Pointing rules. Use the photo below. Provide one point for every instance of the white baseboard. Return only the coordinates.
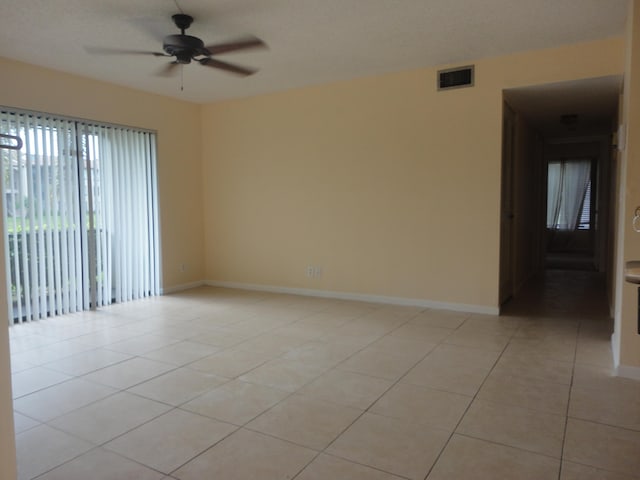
(180, 288)
(628, 371)
(361, 297)
(615, 347)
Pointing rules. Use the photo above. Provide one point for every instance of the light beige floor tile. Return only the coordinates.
(143, 335)
(594, 352)
(271, 344)
(18, 365)
(535, 366)
(307, 329)
(347, 388)
(129, 373)
(390, 315)
(284, 374)
(107, 336)
(601, 446)
(181, 353)
(573, 471)
(106, 419)
(251, 327)
(179, 330)
(305, 421)
(499, 325)
(620, 408)
(370, 328)
(396, 446)
(248, 455)
(23, 343)
(423, 405)
(142, 344)
(264, 323)
(453, 368)
(43, 448)
(22, 423)
(230, 363)
(323, 354)
(474, 339)
(522, 428)
(524, 392)
(540, 327)
(326, 467)
(562, 349)
(236, 402)
(34, 379)
(53, 352)
(220, 338)
(604, 378)
(377, 363)
(345, 308)
(403, 346)
(178, 386)
(216, 320)
(62, 398)
(425, 333)
(327, 318)
(99, 464)
(480, 460)
(170, 440)
(440, 318)
(86, 362)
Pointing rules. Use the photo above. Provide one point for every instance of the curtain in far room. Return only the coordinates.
(567, 187)
(80, 215)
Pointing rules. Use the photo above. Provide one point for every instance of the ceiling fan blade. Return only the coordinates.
(120, 51)
(168, 70)
(245, 43)
(229, 67)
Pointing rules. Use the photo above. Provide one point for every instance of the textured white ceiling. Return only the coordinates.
(311, 41)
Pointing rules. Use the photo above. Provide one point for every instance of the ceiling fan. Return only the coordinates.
(186, 48)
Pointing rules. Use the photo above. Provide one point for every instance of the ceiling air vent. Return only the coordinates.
(459, 77)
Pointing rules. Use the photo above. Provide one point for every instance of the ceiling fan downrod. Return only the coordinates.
(182, 21)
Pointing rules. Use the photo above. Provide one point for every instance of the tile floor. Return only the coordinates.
(216, 383)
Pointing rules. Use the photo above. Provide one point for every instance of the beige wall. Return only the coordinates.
(391, 187)
(627, 338)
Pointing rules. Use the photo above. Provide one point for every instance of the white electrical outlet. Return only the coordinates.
(183, 267)
(313, 271)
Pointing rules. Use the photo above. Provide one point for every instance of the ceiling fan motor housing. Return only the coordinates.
(183, 47)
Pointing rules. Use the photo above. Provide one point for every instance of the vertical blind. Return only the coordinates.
(80, 215)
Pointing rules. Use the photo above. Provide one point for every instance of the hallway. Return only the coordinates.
(565, 295)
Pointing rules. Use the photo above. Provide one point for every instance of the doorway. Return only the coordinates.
(561, 179)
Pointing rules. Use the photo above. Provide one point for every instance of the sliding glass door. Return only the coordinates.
(80, 215)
